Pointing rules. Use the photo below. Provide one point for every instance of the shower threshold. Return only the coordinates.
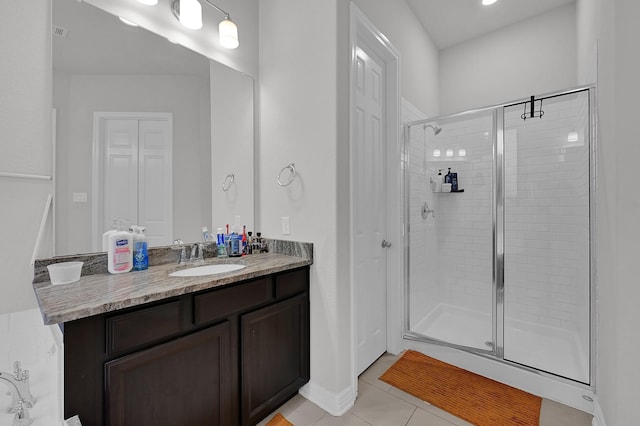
(525, 343)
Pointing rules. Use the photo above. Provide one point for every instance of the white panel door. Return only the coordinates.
(155, 197)
(370, 220)
(136, 174)
(120, 183)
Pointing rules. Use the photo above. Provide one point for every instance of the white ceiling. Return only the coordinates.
(450, 22)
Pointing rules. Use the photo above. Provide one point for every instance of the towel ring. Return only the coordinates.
(292, 175)
(228, 181)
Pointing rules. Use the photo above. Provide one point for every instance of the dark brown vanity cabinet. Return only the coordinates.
(227, 356)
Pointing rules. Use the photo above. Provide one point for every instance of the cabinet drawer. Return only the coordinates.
(137, 328)
(291, 283)
(220, 303)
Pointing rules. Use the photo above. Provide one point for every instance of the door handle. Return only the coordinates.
(386, 244)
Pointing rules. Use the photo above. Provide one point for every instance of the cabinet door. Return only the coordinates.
(275, 356)
(185, 382)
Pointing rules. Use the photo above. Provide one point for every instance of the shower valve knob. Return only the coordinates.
(386, 244)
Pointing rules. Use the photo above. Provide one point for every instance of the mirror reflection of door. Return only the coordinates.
(133, 162)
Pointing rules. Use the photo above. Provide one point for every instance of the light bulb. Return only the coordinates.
(228, 34)
(436, 153)
(191, 14)
(462, 152)
(449, 153)
(148, 2)
(488, 2)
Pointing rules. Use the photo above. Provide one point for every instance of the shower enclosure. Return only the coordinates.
(502, 266)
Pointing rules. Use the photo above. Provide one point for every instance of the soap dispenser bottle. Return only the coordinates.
(140, 253)
(119, 252)
(115, 227)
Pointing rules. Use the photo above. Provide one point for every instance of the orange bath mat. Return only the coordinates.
(279, 420)
(476, 399)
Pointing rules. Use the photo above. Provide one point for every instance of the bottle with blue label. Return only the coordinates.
(140, 253)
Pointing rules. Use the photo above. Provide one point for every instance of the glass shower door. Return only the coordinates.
(547, 236)
(450, 297)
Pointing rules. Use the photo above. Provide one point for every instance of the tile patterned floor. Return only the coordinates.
(380, 404)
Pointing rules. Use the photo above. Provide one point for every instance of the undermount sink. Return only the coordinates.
(207, 270)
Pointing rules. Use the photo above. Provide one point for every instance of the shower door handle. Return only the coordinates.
(386, 244)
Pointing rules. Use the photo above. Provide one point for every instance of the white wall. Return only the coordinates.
(25, 146)
(304, 102)
(616, 32)
(532, 57)
(419, 56)
(298, 92)
(232, 147)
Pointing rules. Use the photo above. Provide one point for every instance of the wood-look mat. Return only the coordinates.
(476, 399)
(279, 420)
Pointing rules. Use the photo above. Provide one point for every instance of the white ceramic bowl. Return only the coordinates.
(65, 272)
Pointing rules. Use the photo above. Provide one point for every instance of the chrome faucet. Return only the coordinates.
(22, 417)
(179, 245)
(22, 398)
(197, 250)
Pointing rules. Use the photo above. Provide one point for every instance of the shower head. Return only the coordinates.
(436, 129)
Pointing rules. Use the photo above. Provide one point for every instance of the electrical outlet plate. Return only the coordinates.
(79, 197)
(286, 229)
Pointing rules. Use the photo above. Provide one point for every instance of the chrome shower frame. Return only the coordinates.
(498, 220)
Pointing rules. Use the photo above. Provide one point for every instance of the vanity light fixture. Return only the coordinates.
(436, 153)
(462, 152)
(449, 152)
(189, 12)
(488, 2)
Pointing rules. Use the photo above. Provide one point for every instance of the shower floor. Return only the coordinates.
(549, 349)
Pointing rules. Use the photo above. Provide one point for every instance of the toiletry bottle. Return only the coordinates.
(235, 245)
(205, 234)
(243, 248)
(249, 243)
(140, 252)
(447, 177)
(119, 252)
(439, 181)
(220, 244)
(454, 182)
(115, 227)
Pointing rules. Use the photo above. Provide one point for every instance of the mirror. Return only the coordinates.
(119, 93)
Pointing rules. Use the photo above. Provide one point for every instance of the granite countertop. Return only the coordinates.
(100, 293)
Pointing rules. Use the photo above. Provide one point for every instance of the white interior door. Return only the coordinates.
(120, 183)
(370, 203)
(155, 177)
(134, 178)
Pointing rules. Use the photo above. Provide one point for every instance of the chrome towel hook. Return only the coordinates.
(228, 181)
(292, 174)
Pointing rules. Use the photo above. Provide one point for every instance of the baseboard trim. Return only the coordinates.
(333, 403)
